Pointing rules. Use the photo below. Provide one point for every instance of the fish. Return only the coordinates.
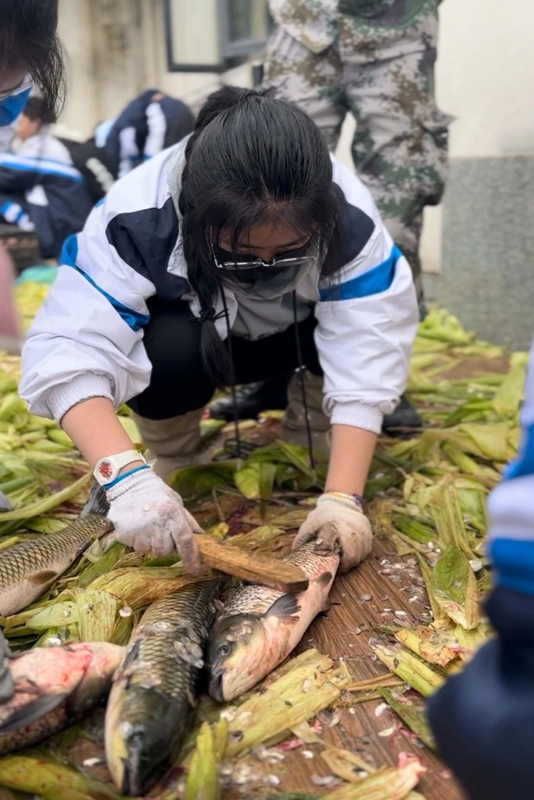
(154, 692)
(28, 569)
(259, 627)
(53, 687)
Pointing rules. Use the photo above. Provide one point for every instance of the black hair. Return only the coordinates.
(36, 109)
(251, 160)
(28, 38)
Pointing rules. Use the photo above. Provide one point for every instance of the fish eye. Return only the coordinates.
(224, 650)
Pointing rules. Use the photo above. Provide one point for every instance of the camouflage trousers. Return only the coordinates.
(382, 71)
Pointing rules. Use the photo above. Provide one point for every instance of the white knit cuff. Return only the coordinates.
(63, 397)
(358, 415)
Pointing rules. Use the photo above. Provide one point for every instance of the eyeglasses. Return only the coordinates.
(278, 262)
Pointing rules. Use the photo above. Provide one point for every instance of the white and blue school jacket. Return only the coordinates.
(143, 128)
(87, 340)
(483, 719)
(41, 190)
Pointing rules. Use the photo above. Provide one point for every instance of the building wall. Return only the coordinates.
(485, 67)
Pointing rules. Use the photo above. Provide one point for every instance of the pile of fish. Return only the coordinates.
(157, 677)
(93, 615)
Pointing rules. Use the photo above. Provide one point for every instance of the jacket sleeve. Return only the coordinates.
(483, 719)
(18, 173)
(87, 339)
(367, 314)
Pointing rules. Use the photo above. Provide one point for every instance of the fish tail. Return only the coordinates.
(97, 502)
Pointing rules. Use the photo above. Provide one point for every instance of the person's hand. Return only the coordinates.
(338, 523)
(150, 517)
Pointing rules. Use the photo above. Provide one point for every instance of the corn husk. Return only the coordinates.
(50, 781)
(283, 704)
(411, 669)
(389, 784)
(411, 712)
(203, 775)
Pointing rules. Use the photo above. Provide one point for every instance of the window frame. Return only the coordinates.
(229, 50)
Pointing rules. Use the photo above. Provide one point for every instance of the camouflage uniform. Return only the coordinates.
(376, 59)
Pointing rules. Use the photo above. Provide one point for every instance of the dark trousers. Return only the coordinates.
(179, 383)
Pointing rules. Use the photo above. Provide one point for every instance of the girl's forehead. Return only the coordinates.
(267, 235)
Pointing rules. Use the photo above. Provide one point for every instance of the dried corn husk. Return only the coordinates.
(283, 704)
(411, 669)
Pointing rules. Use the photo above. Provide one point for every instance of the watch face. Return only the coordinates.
(105, 469)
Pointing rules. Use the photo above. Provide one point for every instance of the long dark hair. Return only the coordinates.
(251, 160)
(28, 37)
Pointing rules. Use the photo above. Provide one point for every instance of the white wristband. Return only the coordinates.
(108, 468)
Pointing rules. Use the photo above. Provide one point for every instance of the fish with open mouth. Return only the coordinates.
(259, 627)
(150, 705)
(53, 686)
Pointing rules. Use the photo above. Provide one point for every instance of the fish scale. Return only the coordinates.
(154, 692)
(184, 616)
(28, 569)
(256, 599)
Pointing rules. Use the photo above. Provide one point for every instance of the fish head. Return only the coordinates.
(142, 737)
(237, 650)
(104, 659)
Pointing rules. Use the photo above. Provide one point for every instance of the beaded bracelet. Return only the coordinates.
(356, 497)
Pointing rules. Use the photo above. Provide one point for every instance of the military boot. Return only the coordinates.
(294, 424)
(173, 443)
(252, 398)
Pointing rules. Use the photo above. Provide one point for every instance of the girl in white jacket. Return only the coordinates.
(241, 254)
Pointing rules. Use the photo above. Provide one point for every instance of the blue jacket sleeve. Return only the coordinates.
(483, 719)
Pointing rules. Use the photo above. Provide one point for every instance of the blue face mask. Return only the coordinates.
(12, 105)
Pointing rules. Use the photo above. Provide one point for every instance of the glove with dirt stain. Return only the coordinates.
(338, 521)
(150, 517)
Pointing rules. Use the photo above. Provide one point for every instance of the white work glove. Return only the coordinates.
(338, 523)
(150, 517)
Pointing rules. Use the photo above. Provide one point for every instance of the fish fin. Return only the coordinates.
(43, 577)
(286, 606)
(97, 502)
(324, 579)
(5, 505)
(32, 711)
(124, 670)
(327, 606)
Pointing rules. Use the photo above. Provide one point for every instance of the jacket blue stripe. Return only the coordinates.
(513, 560)
(374, 281)
(524, 463)
(132, 318)
(19, 167)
